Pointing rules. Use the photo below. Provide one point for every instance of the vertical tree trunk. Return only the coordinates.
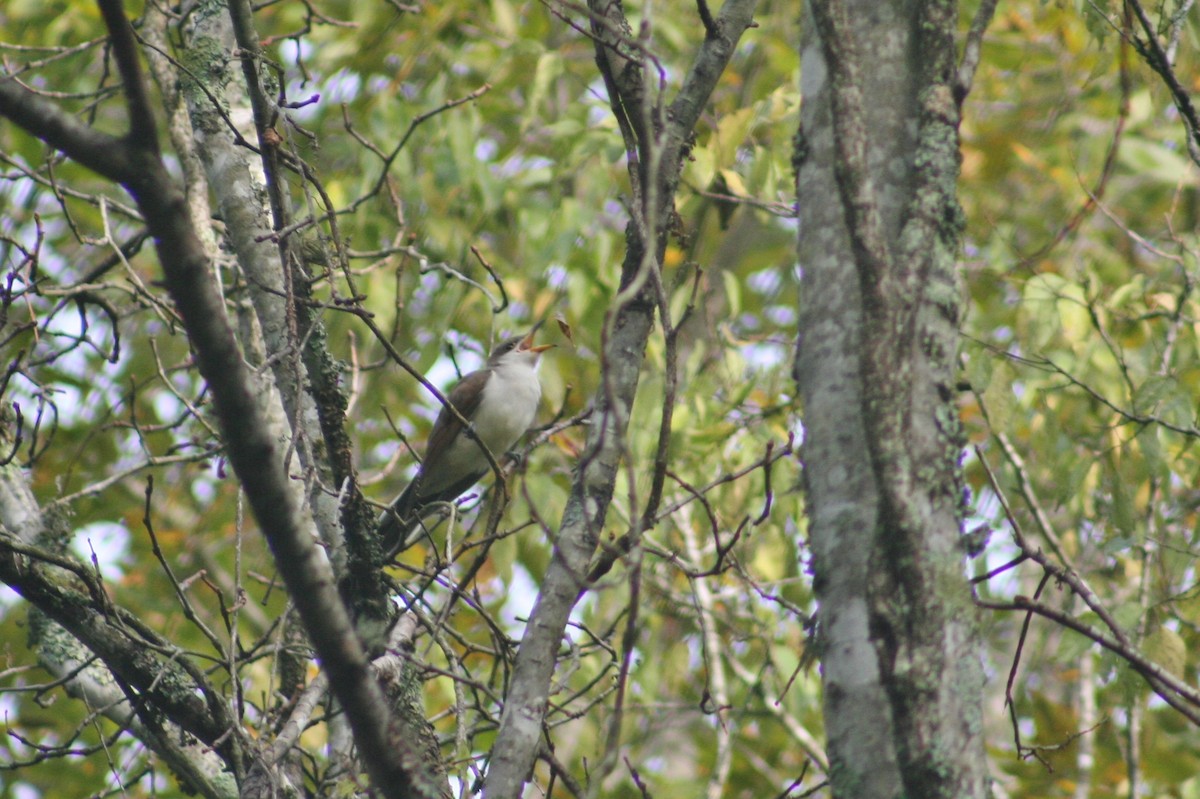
(879, 226)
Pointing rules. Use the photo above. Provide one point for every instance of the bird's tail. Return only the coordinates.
(402, 523)
(397, 523)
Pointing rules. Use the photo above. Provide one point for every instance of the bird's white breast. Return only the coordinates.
(509, 405)
(506, 411)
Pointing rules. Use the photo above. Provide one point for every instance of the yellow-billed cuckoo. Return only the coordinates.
(500, 402)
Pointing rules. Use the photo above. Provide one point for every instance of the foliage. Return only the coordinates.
(1081, 356)
(1081, 265)
(530, 171)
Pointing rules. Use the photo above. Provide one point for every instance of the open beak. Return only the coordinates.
(527, 344)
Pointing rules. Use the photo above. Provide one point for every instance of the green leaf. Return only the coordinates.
(1150, 394)
(979, 370)
(1166, 648)
(1150, 159)
(998, 399)
(1072, 647)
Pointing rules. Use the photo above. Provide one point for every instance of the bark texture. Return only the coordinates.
(877, 161)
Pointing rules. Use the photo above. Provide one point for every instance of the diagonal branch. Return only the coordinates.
(626, 334)
(254, 454)
(142, 129)
(1156, 57)
(100, 152)
(162, 683)
(973, 48)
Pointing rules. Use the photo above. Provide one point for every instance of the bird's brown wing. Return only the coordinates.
(397, 523)
(465, 396)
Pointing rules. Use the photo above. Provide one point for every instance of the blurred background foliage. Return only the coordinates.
(1080, 262)
(1080, 350)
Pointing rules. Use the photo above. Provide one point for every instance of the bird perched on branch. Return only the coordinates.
(499, 402)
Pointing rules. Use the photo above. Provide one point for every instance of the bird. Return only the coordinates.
(500, 402)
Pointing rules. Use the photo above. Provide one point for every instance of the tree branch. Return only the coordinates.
(1157, 59)
(162, 682)
(99, 152)
(973, 49)
(252, 450)
(142, 128)
(84, 672)
(518, 740)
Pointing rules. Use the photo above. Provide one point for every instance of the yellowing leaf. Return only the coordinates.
(1162, 300)
(504, 17)
(1026, 156)
(1166, 648)
(998, 399)
(734, 183)
(770, 560)
(732, 130)
(673, 257)
(701, 166)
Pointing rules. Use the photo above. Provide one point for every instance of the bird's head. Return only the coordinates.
(517, 349)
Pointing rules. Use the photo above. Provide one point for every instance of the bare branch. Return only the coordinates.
(103, 154)
(626, 331)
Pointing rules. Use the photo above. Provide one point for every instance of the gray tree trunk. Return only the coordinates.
(879, 227)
